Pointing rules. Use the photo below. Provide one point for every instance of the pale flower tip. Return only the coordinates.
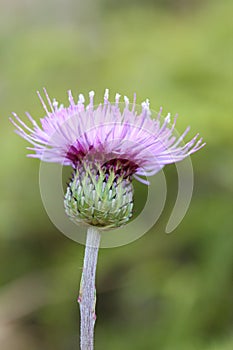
(199, 142)
(146, 104)
(126, 99)
(134, 102)
(117, 97)
(81, 99)
(70, 97)
(168, 117)
(196, 136)
(91, 99)
(39, 95)
(11, 120)
(46, 94)
(91, 94)
(55, 103)
(106, 95)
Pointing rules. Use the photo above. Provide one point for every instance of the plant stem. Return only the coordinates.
(87, 296)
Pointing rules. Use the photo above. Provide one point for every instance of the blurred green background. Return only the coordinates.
(167, 292)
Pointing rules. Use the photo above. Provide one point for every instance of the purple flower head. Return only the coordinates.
(131, 143)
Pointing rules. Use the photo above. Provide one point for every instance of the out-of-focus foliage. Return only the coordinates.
(161, 292)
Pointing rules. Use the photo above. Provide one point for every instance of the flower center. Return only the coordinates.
(121, 167)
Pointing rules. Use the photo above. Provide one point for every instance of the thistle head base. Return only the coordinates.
(99, 196)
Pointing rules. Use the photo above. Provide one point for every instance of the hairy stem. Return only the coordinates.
(87, 296)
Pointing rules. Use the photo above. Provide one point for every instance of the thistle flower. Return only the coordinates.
(104, 142)
(107, 146)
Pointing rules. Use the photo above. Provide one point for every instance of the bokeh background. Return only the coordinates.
(167, 292)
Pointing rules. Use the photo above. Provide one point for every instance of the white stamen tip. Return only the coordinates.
(126, 100)
(106, 94)
(117, 98)
(146, 105)
(55, 103)
(91, 94)
(168, 117)
(81, 98)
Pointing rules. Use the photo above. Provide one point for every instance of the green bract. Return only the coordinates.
(99, 197)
